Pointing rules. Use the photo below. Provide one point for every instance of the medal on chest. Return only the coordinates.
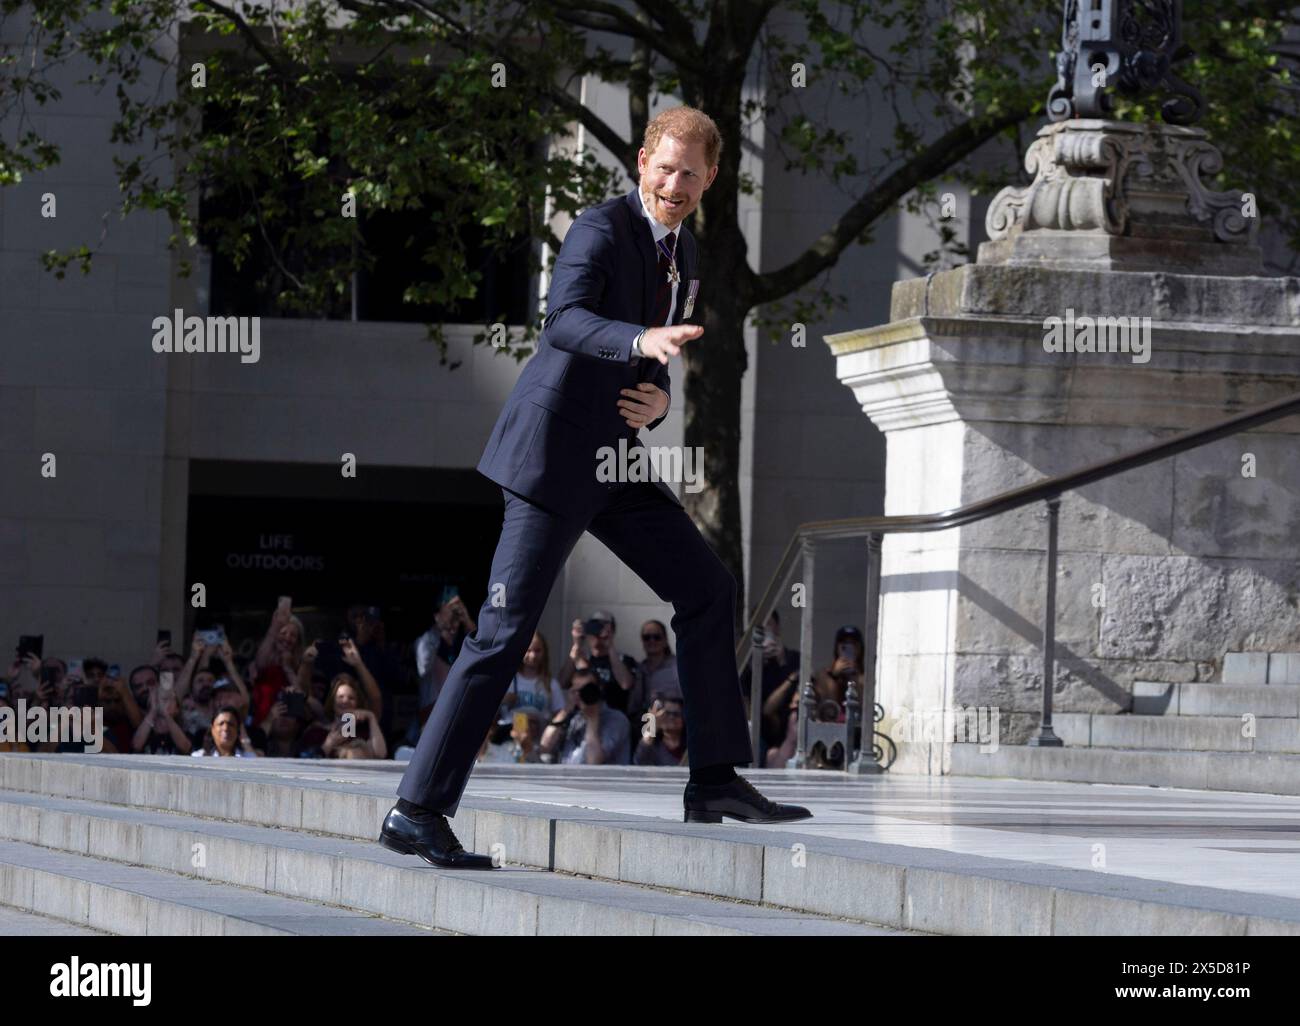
(674, 276)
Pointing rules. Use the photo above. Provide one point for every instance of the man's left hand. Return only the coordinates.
(640, 405)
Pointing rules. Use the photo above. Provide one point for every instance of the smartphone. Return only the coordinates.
(31, 644)
(593, 627)
(74, 668)
(87, 695)
(847, 650)
(164, 637)
(48, 673)
(166, 681)
(114, 671)
(521, 722)
(448, 593)
(296, 702)
(285, 603)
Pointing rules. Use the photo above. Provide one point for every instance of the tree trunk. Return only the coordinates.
(715, 365)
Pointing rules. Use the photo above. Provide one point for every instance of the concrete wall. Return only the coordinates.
(80, 551)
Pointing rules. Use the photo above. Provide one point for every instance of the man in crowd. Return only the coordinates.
(593, 643)
(591, 732)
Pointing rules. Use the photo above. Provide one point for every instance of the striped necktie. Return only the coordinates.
(664, 289)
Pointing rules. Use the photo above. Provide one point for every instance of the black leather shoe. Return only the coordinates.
(739, 799)
(431, 839)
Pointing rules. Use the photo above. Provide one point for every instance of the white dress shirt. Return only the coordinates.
(660, 231)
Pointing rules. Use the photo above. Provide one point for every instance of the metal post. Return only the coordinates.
(806, 671)
(1045, 738)
(756, 691)
(865, 762)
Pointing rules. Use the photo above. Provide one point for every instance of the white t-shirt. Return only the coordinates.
(533, 694)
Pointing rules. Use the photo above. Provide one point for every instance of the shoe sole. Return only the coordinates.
(402, 848)
(696, 816)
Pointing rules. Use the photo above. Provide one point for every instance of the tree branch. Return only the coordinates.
(941, 154)
(620, 22)
(464, 40)
(245, 30)
(669, 17)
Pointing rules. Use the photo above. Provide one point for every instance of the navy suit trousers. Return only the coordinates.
(658, 541)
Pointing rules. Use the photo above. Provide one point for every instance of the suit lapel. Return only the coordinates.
(645, 246)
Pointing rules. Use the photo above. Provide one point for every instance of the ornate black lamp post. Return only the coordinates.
(1125, 45)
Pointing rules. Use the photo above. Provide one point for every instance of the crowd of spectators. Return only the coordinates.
(335, 697)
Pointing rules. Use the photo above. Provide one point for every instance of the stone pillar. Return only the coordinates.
(1117, 302)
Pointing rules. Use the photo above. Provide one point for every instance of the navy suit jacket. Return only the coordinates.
(564, 407)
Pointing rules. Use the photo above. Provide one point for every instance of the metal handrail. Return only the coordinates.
(806, 535)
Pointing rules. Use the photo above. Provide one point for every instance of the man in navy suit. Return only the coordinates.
(624, 286)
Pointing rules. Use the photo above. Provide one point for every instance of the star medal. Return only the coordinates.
(674, 276)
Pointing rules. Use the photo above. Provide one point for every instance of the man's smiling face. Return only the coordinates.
(673, 179)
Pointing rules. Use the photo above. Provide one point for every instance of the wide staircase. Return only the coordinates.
(1241, 733)
(138, 845)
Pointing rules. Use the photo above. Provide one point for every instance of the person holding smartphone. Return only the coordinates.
(160, 731)
(352, 726)
(437, 648)
(831, 685)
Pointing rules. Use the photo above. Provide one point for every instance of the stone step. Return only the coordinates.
(365, 877)
(124, 899)
(1180, 733)
(1244, 772)
(14, 923)
(903, 887)
(1153, 698)
(1261, 668)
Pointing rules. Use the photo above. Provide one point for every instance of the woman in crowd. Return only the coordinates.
(226, 738)
(659, 667)
(284, 726)
(352, 725)
(160, 731)
(533, 687)
(275, 667)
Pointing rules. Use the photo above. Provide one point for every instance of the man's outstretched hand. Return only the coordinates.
(640, 405)
(661, 343)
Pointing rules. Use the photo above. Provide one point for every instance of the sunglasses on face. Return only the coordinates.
(652, 637)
